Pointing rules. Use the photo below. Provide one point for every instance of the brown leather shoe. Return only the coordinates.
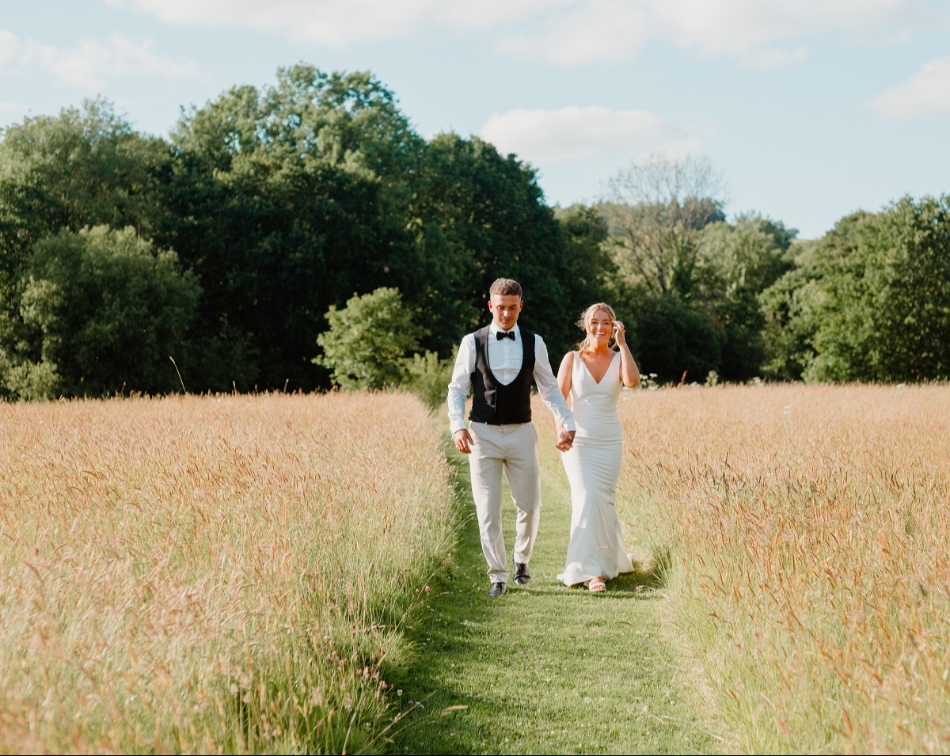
(498, 589)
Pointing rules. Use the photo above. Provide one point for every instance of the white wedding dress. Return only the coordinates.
(593, 466)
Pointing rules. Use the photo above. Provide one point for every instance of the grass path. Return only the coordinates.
(544, 669)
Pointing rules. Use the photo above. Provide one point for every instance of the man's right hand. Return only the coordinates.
(463, 441)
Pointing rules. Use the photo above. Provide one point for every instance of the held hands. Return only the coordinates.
(565, 439)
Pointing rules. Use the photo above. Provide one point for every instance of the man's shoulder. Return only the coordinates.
(473, 336)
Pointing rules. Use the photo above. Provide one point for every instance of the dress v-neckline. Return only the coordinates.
(605, 372)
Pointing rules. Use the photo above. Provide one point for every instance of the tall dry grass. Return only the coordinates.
(211, 574)
(809, 529)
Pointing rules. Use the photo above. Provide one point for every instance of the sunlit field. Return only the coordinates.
(233, 573)
(212, 574)
(808, 530)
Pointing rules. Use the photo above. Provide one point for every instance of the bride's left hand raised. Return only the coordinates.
(620, 333)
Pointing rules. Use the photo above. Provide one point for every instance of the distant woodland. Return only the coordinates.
(277, 232)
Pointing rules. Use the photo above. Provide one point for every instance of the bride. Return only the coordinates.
(590, 379)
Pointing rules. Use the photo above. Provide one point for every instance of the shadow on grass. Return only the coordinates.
(458, 695)
(645, 582)
(653, 574)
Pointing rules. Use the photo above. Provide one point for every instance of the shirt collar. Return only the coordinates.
(493, 329)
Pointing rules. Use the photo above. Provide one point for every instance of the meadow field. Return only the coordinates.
(806, 530)
(212, 574)
(238, 574)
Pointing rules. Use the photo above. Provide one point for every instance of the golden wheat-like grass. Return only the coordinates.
(809, 530)
(210, 574)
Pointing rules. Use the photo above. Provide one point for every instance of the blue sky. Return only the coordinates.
(810, 109)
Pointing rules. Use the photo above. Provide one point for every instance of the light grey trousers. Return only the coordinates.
(514, 449)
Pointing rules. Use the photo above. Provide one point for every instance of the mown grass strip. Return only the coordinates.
(545, 669)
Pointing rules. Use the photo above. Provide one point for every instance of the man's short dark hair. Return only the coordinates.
(505, 286)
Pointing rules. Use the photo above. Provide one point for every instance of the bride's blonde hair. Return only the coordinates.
(587, 345)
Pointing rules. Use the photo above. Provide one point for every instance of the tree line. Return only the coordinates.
(277, 227)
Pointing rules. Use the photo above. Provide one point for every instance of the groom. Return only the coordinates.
(499, 363)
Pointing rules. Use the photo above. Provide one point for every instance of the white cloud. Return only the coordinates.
(338, 23)
(926, 94)
(744, 27)
(575, 133)
(774, 58)
(9, 47)
(901, 37)
(91, 63)
(605, 31)
(755, 32)
(333, 23)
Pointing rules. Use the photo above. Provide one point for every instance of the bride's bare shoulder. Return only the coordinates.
(567, 364)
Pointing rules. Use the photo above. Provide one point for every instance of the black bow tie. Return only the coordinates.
(499, 335)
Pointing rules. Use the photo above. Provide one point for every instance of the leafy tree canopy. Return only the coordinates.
(369, 341)
(654, 210)
(284, 201)
(484, 217)
(734, 264)
(102, 312)
(676, 342)
(872, 300)
(84, 167)
(309, 119)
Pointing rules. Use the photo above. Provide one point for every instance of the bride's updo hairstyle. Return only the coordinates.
(587, 345)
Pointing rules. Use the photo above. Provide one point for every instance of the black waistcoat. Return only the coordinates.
(493, 402)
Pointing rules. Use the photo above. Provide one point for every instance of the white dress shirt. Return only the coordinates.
(504, 359)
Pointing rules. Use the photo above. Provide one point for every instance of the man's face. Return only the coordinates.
(505, 309)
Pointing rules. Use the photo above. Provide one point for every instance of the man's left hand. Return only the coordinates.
(565, 440)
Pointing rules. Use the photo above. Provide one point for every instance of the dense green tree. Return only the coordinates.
(789, 311)
(484, 217)
(84, 167)
(912, 308)
(309, 119)
(592, 272)
(675, 342)
(872, 301)
(369, 341)
(734, 264)
(885, 308)
(285, 201)
(102, 312)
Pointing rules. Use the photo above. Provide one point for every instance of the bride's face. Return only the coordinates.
(600, 326)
